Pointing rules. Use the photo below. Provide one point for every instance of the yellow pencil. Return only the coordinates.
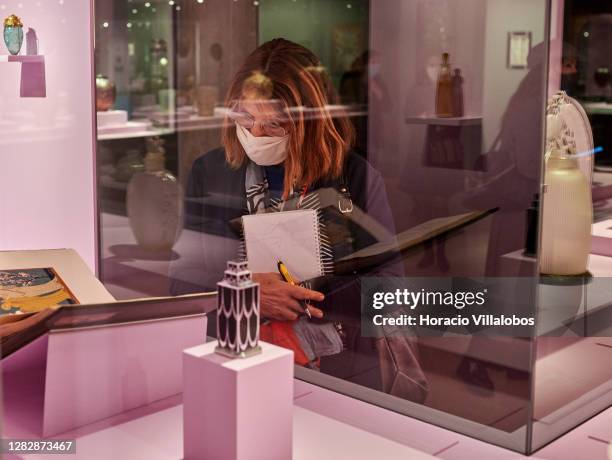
(282, 269)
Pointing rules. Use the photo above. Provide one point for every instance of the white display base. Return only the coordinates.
(130, 127)
(112, 118)
(237, 409)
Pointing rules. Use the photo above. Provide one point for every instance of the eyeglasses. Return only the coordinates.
(269, 127)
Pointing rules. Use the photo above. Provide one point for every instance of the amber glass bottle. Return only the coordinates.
(444, 89)
(457, 94)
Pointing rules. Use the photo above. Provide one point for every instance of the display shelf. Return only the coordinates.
(470, 120)
(21, 58)
(551, 319)
(136, 134)
(165, 124)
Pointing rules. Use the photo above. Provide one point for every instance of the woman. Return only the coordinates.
(281, 146)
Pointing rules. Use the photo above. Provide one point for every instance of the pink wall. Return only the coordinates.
(46, 144)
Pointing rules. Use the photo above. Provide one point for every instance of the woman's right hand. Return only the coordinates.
(280, 300)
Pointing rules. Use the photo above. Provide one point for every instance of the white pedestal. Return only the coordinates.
(238, 409)
(112, 118)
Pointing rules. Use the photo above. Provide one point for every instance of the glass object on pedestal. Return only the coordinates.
(155, 202)
(457, 93)
(567, 202)
(206, 99)
(13, 34)
(105, 93)
(238, 312)
(567, 216)
(444, 89)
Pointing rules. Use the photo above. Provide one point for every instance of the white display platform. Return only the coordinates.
(237, 409)
(111, 118)
(128, 128)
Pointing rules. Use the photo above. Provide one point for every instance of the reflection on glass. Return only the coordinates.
(330, 106)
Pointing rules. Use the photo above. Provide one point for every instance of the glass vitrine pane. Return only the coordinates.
(434, 113)
(570, 382)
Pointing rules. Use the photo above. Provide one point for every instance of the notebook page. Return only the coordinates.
(291, 236)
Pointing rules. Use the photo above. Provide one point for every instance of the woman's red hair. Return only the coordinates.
(290, 73)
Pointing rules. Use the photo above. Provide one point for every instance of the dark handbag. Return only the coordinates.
(400, 371)
(504, 186)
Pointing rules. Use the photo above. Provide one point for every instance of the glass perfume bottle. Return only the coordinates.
(106, 93)
(13, 34)
(444, 89)
(457, 93)
(567, 216)
(155, 202)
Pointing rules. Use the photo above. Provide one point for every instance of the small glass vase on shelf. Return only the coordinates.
(106, 93)
(155, 202)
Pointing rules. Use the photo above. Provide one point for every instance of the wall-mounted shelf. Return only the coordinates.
(165, 123)
(135, 134)
(20, 58)
(469, 120)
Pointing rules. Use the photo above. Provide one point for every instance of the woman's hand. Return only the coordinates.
(280, 300)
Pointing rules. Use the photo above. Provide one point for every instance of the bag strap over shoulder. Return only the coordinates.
(345, 203)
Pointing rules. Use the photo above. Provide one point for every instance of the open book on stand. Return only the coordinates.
(303, 238)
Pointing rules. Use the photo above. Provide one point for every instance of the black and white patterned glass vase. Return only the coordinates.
(238, 313)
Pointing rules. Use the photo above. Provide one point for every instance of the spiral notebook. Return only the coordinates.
(291, 236)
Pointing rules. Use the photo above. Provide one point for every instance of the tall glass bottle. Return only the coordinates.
(444, 89)
(457, 93)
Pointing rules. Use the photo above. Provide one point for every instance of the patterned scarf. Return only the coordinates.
(258, 200)
(315, 339)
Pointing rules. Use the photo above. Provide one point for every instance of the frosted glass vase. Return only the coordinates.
(13, 38)
(567, 217)
(155, 206)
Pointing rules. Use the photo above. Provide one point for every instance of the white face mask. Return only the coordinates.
(265, 150)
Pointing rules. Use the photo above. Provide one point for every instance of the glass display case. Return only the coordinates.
(443, 107)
